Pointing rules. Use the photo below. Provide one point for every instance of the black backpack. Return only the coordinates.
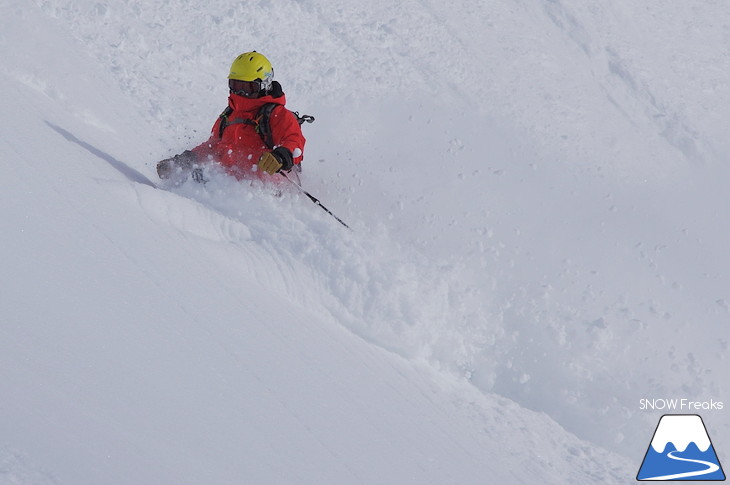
(261, 122)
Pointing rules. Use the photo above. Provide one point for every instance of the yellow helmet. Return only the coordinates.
(252, 66)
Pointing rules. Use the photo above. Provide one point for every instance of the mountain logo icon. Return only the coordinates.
(681, 450)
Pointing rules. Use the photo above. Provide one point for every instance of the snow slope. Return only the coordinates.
(535, 189)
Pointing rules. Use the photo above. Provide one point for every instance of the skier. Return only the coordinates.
(255, 137)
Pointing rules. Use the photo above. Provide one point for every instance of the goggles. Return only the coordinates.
(249, 89)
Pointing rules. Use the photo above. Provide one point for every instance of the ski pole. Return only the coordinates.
(314, 199)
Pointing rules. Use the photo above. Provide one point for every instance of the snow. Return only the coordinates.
(535, 190)
(681, 430)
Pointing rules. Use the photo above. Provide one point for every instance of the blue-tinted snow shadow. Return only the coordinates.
(131, 174)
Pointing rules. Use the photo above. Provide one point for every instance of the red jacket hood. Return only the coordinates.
(242, 103)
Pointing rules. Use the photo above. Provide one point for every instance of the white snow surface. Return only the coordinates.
(681, 430)
(536, 190)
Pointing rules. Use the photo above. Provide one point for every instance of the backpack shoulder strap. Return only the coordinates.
(262, 123)
(263, 119)
(224, 120)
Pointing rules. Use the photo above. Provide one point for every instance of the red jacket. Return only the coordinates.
(240, 147)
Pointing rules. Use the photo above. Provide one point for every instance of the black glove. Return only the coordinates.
(285, 157)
